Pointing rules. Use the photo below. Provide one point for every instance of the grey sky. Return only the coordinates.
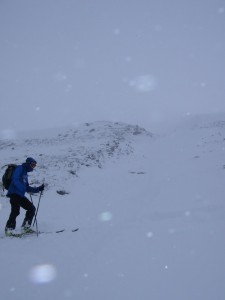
(137, 61)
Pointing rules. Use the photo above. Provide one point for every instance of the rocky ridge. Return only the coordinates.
(70, 150)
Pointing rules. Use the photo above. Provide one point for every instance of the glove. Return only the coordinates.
(41, 188)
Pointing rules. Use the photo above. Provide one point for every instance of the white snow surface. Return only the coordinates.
(149, 206)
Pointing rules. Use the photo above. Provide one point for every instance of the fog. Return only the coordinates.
(64, 62)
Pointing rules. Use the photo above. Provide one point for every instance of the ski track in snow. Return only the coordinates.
(150, 208)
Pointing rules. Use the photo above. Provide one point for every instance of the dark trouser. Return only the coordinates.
(17, 202)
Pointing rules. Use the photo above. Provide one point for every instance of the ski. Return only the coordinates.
(59, 231)
(21, 235)
(17, 235)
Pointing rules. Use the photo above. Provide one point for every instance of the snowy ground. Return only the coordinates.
(150, 209)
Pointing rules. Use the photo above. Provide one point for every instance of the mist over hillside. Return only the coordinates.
(68, 150)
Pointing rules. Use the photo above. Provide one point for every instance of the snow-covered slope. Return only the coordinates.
(150, 209)
(65, 152)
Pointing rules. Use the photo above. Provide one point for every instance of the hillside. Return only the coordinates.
(68, 151)
(149, 207)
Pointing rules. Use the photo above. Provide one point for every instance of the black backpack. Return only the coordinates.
(7, 176)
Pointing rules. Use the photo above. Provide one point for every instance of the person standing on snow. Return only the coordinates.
(18, 187)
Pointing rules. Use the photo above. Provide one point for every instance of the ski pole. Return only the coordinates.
(35, 217)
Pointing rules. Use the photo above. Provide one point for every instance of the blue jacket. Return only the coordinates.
(19, 183)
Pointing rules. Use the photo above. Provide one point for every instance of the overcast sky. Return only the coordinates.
(68, 61)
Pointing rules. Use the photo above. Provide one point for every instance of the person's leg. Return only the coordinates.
(15, 211)
(30, 211)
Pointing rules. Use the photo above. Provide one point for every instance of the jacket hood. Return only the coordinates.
(27, 164)
(30, 160)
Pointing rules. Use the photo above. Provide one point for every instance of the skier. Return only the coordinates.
(16, 192)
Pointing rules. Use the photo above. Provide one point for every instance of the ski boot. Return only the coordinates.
(9, 232)
(27, 230)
